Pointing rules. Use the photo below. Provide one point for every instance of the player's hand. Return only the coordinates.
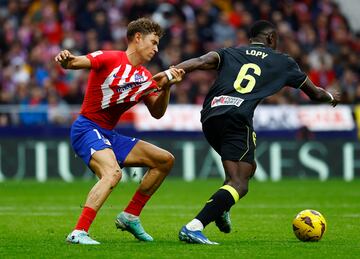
(336, 98)
(177, 75)
(160, 79)
(64, 57)
(163, 81)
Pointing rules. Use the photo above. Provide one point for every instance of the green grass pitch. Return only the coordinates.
(36, 217)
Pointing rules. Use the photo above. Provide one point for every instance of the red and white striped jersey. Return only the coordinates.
(114, 86)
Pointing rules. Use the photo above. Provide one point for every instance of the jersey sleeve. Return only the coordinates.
(100, 58)
(295, 77)
(220, 52)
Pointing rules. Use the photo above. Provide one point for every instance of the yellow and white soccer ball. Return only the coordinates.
(309, 225)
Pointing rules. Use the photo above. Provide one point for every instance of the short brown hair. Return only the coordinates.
(144, 26)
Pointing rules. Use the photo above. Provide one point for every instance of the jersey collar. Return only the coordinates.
(259, 44)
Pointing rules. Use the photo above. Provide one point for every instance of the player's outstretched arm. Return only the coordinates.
(319, 94)
(157, 105)
(208, 61)
(70, 61)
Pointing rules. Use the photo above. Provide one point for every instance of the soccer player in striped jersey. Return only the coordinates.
(117, 81)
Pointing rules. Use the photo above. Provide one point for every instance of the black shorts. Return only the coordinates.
(231, 138)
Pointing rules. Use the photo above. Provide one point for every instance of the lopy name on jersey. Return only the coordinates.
(256, 53)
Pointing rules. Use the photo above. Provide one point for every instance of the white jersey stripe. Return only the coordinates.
(122, 81)
(142, 88)
(125, 75)
(107, 92)
(125, 94)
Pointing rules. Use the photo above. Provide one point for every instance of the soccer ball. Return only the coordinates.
(309, 225)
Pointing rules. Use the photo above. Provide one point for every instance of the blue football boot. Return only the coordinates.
(194, 237)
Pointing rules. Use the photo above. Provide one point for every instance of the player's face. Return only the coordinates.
(148, 46)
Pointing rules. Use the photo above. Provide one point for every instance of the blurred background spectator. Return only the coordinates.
(316, 33)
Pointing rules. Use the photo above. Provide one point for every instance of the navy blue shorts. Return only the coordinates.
(87, 137)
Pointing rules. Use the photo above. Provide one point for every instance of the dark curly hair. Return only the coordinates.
(260, 27)
(144, 26)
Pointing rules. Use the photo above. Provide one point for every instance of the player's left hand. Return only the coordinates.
(336, 98)
(177, 75)
(162, 78)
(64, 57)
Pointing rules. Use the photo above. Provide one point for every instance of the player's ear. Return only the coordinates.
(137, 37)
(270, 38)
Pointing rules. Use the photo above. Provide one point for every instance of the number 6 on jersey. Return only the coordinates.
(243, 75)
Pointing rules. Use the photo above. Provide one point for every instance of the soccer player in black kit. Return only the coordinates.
(246, 75)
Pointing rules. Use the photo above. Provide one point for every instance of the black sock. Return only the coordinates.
(221, 201)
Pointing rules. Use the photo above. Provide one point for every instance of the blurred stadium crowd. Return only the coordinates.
(315, 33)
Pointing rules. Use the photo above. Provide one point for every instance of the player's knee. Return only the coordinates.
(166, 161)
(116, 176)
(170, 160)
(253, 169)
(113, 176)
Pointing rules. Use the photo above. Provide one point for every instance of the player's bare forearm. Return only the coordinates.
(324, 96)
(319, 94)
(162, 102)
(157, 105)
(205, 62)
(79, 62)
(70, 61)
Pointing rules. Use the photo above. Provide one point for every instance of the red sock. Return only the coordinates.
(137, 203)
(86, 218)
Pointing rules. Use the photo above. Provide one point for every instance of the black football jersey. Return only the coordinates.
(246, 75)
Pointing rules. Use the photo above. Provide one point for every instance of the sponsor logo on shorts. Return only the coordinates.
(226, 100)
(106, 141)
